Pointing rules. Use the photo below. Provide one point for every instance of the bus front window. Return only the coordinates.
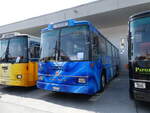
(18, 49)
(49, 45)
(12, 48)
(74, 43)
(140, 31)
(65, 44)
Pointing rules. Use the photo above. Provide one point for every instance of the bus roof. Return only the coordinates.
(140, 15)
(17, 34)
(70, 22)
(66, 23)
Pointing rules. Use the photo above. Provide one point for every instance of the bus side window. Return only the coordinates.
(34, 50)
(95, 46)
(102, 46)
(109, 53)
(113, 55)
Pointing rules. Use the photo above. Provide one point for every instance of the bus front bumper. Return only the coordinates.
(142, 95)
(17, 83)
(79, 89)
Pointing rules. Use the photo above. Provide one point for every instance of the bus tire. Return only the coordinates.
(117, 71)
(131, 95)
(103, 81)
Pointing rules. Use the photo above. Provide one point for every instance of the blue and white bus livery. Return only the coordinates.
(76, 58)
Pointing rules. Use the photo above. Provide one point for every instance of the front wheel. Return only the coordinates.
(103, 82)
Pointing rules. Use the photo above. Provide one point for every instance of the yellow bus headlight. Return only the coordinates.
(19, 76)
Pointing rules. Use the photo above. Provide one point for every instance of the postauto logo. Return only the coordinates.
(142, 70)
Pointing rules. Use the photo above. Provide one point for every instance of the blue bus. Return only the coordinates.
(76, 58)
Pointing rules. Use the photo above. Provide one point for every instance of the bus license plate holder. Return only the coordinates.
(3, 82)
(140, 85)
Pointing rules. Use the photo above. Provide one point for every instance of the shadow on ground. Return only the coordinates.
(143, 107)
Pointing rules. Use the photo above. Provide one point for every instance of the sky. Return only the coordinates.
(16, 10)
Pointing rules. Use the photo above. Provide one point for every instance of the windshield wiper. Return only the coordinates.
(63, 56)
(53, 57)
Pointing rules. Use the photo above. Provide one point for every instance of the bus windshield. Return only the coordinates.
(65, 44)
(13, 48)
(140, 32)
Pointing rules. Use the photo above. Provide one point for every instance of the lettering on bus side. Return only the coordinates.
(142, 70)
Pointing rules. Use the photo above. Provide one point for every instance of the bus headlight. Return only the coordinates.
(19, 76)
(140, 85)
(81, 80)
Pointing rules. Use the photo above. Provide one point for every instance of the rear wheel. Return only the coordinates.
(117, 71)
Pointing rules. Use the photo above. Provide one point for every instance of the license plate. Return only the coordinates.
(140, 85)
(56, 88)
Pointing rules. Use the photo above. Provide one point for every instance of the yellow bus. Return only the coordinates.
(19, 54)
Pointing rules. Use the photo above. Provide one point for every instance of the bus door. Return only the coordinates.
(34, 53)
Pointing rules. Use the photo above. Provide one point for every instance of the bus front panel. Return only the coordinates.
(73, 77)
(21, 74)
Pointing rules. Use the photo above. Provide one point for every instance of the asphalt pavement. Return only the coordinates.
(114, 99)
